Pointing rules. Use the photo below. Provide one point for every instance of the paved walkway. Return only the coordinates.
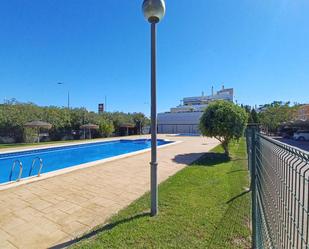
(55, 210)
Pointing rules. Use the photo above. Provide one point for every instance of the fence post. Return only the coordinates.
(253, 183)
(248, 143)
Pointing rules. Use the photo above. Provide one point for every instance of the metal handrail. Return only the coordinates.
(20, 169)
(33, 163)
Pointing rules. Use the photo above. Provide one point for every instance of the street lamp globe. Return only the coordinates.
(154, 10)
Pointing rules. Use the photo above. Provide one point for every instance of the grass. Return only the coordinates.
(203, 206)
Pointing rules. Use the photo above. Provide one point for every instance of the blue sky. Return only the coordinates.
(101, 48)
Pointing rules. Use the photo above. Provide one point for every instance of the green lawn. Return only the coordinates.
(203, 206)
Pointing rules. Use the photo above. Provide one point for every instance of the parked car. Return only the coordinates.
(287, 132)
(301, 135)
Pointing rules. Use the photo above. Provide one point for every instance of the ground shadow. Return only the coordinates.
(202, 159)
(234, 218)
(237, 196)
(105, 228)
(187, 158)
(236, 171)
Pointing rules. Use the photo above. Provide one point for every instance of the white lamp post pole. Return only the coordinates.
(154, 11)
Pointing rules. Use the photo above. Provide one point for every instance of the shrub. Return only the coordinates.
(30, 135)
(106, 128)
(7, 140)
(225, 121)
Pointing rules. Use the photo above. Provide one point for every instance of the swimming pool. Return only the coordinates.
(57, 158)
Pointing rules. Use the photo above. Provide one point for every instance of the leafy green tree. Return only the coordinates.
(14, 114)
(106, 127)
(273, 115)
(140, 120)
(252, 114)
(253, 118)
(225, 121)
(119, 119)
(78, 117)
(30, 135)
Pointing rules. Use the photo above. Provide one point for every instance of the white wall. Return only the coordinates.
(181, 122)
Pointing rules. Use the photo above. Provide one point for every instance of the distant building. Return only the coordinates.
(185, 118)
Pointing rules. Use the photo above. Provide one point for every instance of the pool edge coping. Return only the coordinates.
(60, 145)
(28, 180)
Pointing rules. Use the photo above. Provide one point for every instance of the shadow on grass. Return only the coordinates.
(187, 158)
(105, 228)
(201, 159)
(212, 159)
(237, 196)
(236, 171)
(229, 228)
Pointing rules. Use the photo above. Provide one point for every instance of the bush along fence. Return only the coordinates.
(280, 193)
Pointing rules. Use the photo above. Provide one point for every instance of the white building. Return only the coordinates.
(185, 118)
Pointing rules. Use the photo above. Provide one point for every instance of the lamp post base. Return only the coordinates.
(154, 189)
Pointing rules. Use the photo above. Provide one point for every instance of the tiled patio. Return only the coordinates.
(55, 210)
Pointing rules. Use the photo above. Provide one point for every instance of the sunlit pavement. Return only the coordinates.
(55, 210)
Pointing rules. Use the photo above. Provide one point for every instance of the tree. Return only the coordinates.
(139, 120)
(106, 127)
(274, 114)
(119, 119)
(225, 121)
(253, 118)
(65, 122)
(252, 114)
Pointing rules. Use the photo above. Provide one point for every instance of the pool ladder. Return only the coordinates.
(33, 163)
(17, 161)
(20, 169)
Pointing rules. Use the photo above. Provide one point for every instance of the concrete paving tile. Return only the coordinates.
(73, 209)
(10, 222)
(74, 228)
(98, 209)
(15, 204)
(57, 216)
(4, 236)
(4, 211)
(53, 238)
(38, 238)
(39, 204)
(5, 244)
(45, 224)
(28, 213)
(63, 207)
(76, 199)
(85, 216)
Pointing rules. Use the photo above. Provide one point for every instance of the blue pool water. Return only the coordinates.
(66, 156)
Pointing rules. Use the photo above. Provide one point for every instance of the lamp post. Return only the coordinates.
(61, 83)
(154, 11)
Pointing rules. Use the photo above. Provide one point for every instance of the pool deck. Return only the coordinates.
(55, 210)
